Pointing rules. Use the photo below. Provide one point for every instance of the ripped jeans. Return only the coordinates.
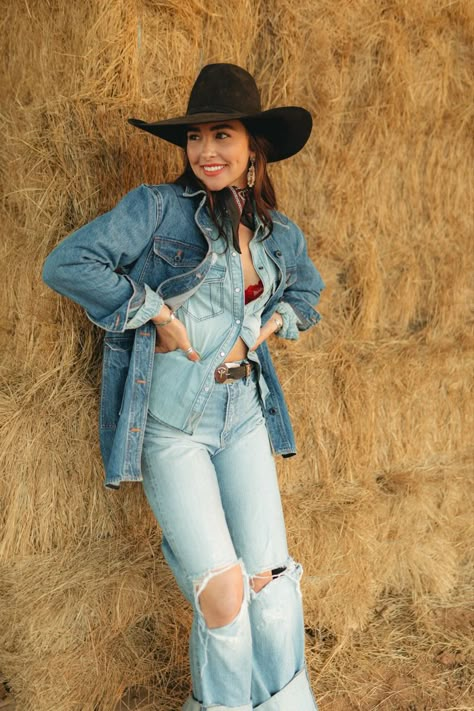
(215, 495)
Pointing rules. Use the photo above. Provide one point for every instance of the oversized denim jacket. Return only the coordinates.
(158, 238)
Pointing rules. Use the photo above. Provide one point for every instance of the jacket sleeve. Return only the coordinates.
(289, 329)
(304, 287)
(83, 266)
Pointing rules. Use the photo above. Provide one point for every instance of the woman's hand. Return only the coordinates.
(274, 323)
(171, 334)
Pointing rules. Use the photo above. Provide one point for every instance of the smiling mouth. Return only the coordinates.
(212, 169)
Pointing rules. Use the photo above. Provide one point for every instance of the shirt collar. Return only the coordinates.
(190, 192)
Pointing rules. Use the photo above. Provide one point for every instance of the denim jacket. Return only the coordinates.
(159, 239)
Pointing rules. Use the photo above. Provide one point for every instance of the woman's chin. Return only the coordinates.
(219, 182)
(215, 184)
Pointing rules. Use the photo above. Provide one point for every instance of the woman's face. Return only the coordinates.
(219, 153)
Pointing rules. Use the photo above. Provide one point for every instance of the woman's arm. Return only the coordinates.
(273, 325)
(82, 267)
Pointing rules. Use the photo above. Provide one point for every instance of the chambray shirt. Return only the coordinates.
(214, 316)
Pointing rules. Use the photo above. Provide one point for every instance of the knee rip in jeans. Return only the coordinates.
(291, 570)
(219, 603)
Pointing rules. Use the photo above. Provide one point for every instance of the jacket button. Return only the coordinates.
(272, 411)
(278, 253)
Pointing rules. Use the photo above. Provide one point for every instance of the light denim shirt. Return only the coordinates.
(214, 316)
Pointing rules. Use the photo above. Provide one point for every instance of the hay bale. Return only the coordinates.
(379, 500)
(90, 624)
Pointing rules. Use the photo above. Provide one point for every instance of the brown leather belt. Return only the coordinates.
(229, 371)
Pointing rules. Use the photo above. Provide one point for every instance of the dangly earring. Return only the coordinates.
(251, 173)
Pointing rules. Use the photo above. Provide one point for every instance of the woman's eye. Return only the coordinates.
(193, 136)
(222, 134)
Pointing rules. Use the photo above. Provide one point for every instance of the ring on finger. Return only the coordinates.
(189, 350)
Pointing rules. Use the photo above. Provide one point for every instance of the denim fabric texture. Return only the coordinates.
(214, 317)
(215, 495)
(204, 450)
(160, 240)
(214, 294)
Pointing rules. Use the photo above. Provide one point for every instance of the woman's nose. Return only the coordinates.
(208, 148)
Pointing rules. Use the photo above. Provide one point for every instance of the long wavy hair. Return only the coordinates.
(263, 190)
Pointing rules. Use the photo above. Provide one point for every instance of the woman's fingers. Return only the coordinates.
(191, 354)
(182, 341)
(173, 336)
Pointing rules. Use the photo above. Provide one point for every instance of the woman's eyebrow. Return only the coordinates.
(220, 126)
(217, 127)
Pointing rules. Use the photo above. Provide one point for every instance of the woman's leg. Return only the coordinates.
(251, 500)
(181, 486)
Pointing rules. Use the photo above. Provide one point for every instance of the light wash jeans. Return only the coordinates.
(215, 495)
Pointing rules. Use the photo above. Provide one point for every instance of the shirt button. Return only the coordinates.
(237, 320)
(234, 254)
(222, 354)
(206, 389)
(237, 288)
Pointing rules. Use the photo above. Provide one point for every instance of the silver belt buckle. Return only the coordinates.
(221, 373)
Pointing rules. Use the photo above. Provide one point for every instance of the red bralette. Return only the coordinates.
(253, 291)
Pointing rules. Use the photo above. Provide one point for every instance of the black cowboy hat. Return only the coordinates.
(226, 91)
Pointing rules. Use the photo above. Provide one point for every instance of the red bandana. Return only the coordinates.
(239, 209)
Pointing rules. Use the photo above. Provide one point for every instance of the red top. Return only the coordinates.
(253, 291)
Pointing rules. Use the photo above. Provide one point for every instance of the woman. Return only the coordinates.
(189, 280)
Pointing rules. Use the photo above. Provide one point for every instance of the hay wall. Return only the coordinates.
(379, 500)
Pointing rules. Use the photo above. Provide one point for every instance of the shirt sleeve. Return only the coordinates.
(289, 329)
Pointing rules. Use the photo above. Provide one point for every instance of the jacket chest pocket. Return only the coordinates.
(208, 301)
(178, 256)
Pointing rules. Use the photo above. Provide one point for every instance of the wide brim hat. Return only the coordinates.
(227, 92)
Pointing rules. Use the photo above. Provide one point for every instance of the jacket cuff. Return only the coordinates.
(143, 304)
(138, 315)
(289, 329)
(116, 322)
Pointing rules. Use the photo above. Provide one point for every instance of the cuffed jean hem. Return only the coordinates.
(295, 696)
(193, 705)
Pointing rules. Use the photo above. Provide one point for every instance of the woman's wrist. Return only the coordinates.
(163, 317)
(278, 321)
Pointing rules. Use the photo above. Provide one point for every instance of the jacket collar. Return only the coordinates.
(261, 230)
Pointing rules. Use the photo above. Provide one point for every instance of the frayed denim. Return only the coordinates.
(215, 495)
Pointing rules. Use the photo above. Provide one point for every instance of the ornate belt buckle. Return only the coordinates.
(221, 373)
(248, 369)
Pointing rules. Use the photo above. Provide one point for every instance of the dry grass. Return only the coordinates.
(379, 500)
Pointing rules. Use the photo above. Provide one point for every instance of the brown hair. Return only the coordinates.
(263, 190)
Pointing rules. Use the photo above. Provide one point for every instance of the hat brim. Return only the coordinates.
(286, 128)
